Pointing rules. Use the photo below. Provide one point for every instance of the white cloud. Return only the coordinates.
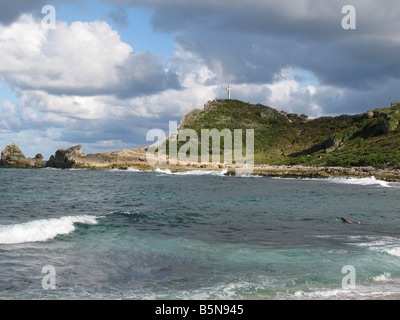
(82, 80)
(83, 58)
(10, 117)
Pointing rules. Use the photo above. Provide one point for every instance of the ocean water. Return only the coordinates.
(114, 234)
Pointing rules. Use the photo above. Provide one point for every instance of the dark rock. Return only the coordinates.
(386, 126)
(332, 143)
(66, 158)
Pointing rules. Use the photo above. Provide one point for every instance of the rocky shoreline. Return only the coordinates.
(74, 157)
(389, 175)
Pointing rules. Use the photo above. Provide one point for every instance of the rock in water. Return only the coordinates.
(74, 157)
(12, 157)
(12, 153)
(66, 158)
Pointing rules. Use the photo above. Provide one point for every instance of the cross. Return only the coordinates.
(229, 92)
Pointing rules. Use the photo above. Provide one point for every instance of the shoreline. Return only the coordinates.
(74, 158)
(388, 175)
(282, 171)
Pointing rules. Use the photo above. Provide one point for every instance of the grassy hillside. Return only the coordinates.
(368, 139)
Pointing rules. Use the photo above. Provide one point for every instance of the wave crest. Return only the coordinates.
(361, 181)
(193, 172)
(41, 230)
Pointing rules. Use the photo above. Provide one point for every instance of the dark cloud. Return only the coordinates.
(353, 101)
(131, 131)
(253, 40)
(143, 74)
(11, 10)
(119, 16)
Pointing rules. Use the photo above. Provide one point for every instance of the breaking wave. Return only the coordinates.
(193, 172)
(41, 230)
(361, 181)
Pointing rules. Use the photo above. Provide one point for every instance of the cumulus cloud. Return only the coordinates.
(78, 73)
(11, 117)
(272, 34)
(84, 82)
(78, 59)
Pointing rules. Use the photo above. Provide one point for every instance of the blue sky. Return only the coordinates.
(134, 25)
(6, 93)
(112, 70)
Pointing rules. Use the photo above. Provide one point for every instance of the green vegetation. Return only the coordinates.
(368, 139)
(13, 148)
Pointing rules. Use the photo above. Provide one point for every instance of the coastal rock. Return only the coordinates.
(13, 157)
(74, 157)
(66, 158)
(389, 174)
(12, 153)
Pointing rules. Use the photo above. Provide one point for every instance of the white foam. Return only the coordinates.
(193, 172)
(361, 181)
(393, 251)
(165, 171)
(41, 230)
(374, 241)
(383, 287)
(389, 245)
(382, 277)
(355, 181)
(130, 169)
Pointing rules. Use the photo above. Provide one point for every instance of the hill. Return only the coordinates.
(368, 139)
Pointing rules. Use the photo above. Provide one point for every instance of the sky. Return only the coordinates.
(108, 71)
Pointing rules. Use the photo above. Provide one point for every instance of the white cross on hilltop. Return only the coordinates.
(229, 92)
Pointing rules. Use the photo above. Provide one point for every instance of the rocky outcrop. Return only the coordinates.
(385, 121)
(66, 158)
(12, 157)
(74, 157)
(388, 174)
(387, 125)
(333, 143)
(188, 117)
(211, 105)
(12, 153)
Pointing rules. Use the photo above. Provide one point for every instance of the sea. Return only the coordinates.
(158, 235)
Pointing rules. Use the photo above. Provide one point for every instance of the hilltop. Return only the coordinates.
(285, 144)
(368, 139)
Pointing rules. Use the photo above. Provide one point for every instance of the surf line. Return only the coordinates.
(165, 310)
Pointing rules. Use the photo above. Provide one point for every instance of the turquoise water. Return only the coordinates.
(114, 234)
